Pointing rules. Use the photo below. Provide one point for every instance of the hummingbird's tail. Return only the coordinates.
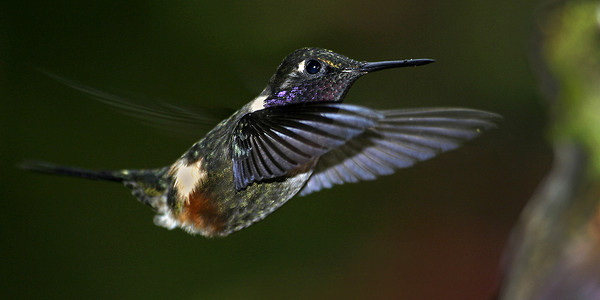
(149, 186)
(49, 168)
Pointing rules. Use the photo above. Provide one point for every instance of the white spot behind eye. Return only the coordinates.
(301, 66)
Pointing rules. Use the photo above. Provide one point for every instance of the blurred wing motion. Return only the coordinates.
(176, 120)
(272, 142)
(351, 143)
(398, 140)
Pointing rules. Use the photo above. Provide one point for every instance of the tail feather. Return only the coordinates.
(49, 168)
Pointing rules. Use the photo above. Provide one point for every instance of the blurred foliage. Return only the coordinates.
(572, 51)
(555, 250)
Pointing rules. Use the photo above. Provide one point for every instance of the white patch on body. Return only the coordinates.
(187, 177)
(166, 220)
(258, 103)
(164, 216)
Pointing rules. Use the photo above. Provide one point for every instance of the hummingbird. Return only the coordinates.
(295, 138)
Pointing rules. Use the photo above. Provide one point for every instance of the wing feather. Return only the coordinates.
(398, 140)
(270, 143)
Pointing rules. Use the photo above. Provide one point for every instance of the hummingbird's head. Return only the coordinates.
(314, 74)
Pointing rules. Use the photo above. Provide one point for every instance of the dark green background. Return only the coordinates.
(434, 231)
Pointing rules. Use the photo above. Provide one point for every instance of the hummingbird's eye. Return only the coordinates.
(313, 66)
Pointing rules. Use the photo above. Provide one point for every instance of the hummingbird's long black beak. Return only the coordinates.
(381, 65)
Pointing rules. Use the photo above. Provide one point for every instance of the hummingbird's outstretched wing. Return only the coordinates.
(399, 140)
(274, 141)
(174, 119)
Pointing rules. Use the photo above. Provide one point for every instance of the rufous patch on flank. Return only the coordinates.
(202, 213)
